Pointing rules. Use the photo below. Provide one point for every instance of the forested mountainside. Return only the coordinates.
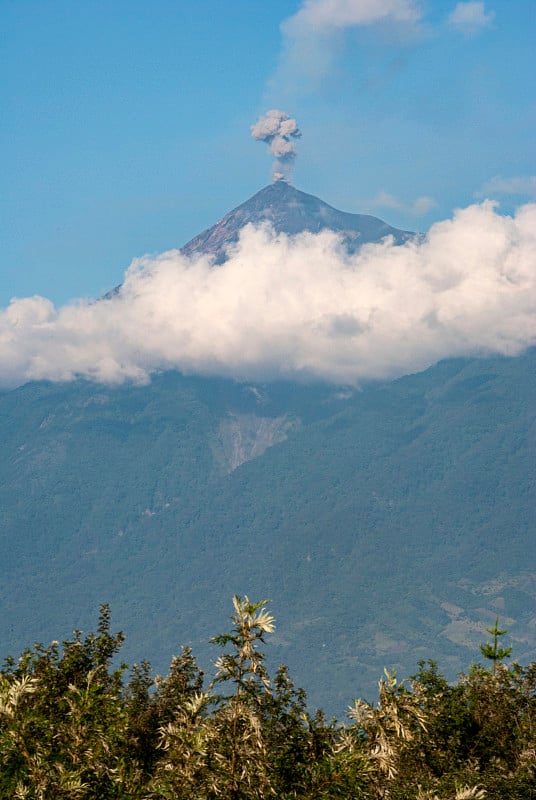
(387, 525)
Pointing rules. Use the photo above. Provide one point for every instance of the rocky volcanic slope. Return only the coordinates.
(291, 211)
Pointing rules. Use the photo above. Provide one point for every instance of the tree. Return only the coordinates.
(240, 751)
(492, 650)
(387, 729)
(152, 704)
(69, 720)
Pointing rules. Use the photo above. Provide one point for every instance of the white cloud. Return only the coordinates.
(312, 36)
(295, 307)
(420, 206)
(470, 17)
(325, 14)
(524, 185)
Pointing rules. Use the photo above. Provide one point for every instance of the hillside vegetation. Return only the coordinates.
(388, 525)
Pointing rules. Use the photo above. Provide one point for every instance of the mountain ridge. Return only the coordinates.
(291, 211)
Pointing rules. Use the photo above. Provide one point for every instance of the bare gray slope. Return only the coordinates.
(291, 211)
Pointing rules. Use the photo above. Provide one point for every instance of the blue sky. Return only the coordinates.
(126, 125)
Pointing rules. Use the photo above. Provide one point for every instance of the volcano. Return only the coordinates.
(291, 211)
(389, 524)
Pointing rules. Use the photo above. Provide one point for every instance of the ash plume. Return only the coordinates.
(278, 130)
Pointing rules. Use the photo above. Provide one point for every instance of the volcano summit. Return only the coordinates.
(290, 211)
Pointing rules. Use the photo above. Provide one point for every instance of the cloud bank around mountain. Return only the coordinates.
(294, 307)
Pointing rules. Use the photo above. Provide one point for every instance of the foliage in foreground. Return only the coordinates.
(72, 726)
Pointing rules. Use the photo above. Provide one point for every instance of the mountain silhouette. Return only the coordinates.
(291, 211)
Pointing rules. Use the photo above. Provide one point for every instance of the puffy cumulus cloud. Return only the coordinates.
(295, 307)
(522, 185)
(470, 17)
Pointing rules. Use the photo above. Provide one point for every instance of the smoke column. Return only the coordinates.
(278, 130)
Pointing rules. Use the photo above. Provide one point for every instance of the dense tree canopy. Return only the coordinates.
(74, 725)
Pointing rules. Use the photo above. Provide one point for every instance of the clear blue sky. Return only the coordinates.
(125, 125)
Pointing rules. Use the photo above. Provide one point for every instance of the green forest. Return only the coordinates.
(76, 723)
(390, 525)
